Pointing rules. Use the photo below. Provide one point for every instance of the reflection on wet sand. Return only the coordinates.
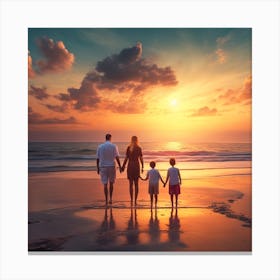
(174, 227)
(154, 228)
(132, 232)
(107, 231)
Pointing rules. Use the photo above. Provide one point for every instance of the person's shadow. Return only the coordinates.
(106, 233)
(132, 233)
(154, 228)
(174, 227)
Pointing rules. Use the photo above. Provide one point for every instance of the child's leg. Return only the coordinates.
(156, 200)
(151, 196)
(176, 196)
(171, 196)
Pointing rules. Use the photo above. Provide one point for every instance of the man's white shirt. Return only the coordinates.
(106, 153)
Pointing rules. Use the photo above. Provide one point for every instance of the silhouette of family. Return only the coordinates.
(106, 157)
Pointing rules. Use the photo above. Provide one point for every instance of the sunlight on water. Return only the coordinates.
(173, 146)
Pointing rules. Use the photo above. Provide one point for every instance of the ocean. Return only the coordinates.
(203, 159)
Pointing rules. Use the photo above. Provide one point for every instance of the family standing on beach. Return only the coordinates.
(107, 154)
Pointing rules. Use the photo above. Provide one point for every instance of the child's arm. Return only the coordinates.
(179, 175)
(144, 179)
(167, 178)
(161, 179)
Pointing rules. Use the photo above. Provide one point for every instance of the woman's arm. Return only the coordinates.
(142, 164)
(125, 160)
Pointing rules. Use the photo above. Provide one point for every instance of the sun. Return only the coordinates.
(173, 102)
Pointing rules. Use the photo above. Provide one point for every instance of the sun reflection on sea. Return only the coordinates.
(173, 146)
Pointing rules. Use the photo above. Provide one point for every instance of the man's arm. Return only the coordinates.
(119, 163)
(97, 165)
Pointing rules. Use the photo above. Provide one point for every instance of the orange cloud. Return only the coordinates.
(205, 111)
(221, 55)
(56, 57)
(31, 72)
(240, 95)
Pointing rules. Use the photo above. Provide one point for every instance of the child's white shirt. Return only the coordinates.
(173, 173)
(154, 176)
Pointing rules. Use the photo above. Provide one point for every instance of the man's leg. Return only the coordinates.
(106, 193)
(111, 191)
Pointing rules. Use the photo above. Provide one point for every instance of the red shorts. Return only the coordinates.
(174, 189)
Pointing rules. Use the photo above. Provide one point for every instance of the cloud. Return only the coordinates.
(221, 56)
(56, 57)
(123, 72)
(239, 95)
(128, 71)
(85, 97)
(64, 107)
(220, 52)
(31, 72)
(134, 105)
(39, 93)
(36, 118)
(222, 40)
(205, 111)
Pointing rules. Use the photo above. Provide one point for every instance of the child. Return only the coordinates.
(174, 177)
(154, 177)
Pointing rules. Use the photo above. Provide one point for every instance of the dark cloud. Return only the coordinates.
(85, 97)
(56, 57)
(242, 95)
(36, 118)
(128, 70)
(123, 72)
(62, 108)
(205, 111)
(39, 93)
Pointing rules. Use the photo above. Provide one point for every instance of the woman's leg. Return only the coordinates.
(176, 196)
(155, 200)
(151, 196)
(136, 190)
(131, 190)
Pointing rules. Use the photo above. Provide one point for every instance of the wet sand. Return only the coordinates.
(67, 213)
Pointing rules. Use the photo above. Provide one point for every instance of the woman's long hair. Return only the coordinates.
(133, 143)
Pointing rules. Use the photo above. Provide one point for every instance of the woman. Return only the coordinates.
(133, 156)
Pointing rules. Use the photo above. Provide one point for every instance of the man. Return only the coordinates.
(106, 155)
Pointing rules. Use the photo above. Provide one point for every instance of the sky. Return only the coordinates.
(169, 84)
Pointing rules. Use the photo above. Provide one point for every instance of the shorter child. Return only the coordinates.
(154, 177)
(174, 177)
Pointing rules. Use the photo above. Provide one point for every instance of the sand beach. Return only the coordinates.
(67, 214)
